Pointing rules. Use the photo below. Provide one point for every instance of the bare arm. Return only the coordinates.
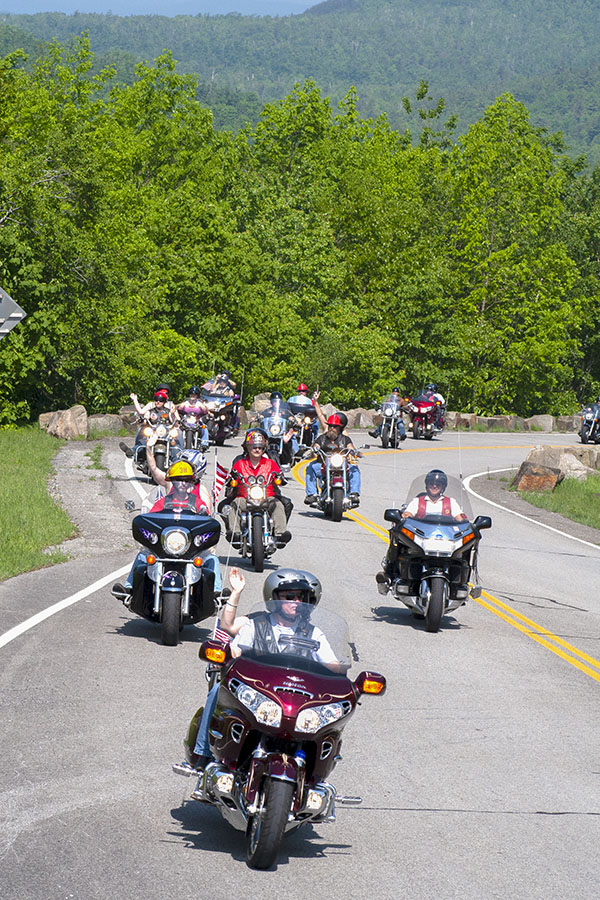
(230, 621)
(139, 410)
(319, 411)
(156, 473)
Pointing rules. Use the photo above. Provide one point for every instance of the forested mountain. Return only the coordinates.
(543, 51)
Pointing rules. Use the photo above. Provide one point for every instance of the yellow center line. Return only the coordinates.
(526, 626)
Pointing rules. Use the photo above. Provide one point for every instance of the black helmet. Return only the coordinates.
(432, 387)
(343, 419)
(291, 580)
(395, 390)
(436, 476)
(163, 386)
(276, 395)
(194, 390)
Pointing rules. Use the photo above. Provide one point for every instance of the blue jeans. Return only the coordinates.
(401, 429)
(202, 747)
(313, 474)
(211, 563)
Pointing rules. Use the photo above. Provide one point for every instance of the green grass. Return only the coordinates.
(95, 457)
(30, 520)
(577, 500)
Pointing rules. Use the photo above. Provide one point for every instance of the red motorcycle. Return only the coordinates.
(426, 417)
(276, 734)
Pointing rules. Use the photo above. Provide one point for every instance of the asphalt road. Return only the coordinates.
(479, 769)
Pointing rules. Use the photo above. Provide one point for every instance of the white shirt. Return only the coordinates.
(433, 507)
(324, 655)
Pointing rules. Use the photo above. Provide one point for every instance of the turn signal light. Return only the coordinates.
(198, 561)
(370, 683)
(408, 533)
(213, 654)
(233, 482)
(150, 560)
(371, 686)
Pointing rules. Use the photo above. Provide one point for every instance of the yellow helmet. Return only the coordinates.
(180, 471)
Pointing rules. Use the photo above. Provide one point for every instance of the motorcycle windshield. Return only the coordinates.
(423, 398)
(391, 404)
(275, 425)
(315, 640)
(438, 511)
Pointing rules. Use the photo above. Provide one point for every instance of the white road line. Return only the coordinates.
(18, 630)
(133, 478)
(467, 484)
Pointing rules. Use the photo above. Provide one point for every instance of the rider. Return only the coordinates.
(255, 461)
(302, 392)
(220, 384)
(333, 439)
(193, 406)
(181, 498)
(432, 391)
(432, 502)
(289, 595)
(394, 397)
(195, 458)
(159, 407)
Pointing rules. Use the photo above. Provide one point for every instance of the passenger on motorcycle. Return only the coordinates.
(395, 397)
(193, 406)
(254, 461)
(432, 391)
(301, 396)
(333, 439)
(220, 384)
(289, 595)
(180, 498)
(160, 402)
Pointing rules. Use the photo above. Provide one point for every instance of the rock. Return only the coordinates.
(128, 418)
(328, 410)
(69, 424)
(574, 462)
(451, 419)
(465, 420)
(105, 424)
(261, 402)
(363, 419)
(531, 477)
(540, 423)
(573, 468)
(518, 423)
(45, 419)
(243, 417)
(568, 424)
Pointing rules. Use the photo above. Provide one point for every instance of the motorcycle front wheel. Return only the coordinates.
(385, 437)
(159, 459)
(584, 434)
(171, 619)
(417, 430)
(337, 504)
(188, 440)
(265, 830)
(435, 610)
(258, 550)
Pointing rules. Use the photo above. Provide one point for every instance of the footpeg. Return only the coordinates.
(184, 768)
(348, 801)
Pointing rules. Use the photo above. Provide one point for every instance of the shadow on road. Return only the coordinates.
(150, 631)
(396, 616)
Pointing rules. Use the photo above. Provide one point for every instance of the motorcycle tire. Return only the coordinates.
(428, 435)
(160, 461)
(171, 619)
(584, 434)
(385, 437)
(266, 829)
(337, 504)
(435, 610)
(417, 431)
(188, 440)
(258, 550)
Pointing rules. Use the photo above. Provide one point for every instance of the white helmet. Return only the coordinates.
(197, 461)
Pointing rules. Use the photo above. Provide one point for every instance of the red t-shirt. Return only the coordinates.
(265, 467)
(192, 502)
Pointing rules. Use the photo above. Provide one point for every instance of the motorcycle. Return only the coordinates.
(276, 735)
(224, 419)
(275, 423)
(173, 588)
(423, 411)
(333, 491)
(192, 427)
(391, 417)
(435, 556)
(305, 415)
(590, 424)
(168, 444)
(258, 540)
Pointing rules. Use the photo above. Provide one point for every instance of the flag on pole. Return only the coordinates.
(221, 474)
(219, 634)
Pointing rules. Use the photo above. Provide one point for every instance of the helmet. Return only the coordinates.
(395, 390)
(436, 476)
(343, 418)
(335, 420)
(293, 580)
(194, 390)
(432, 387)
(276, 395)
(302, 387)
(162, 395)
(256, 437)
(163, 387)
(180, 471)
(197, 461)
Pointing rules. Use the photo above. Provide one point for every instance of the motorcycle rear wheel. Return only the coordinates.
(428, 435)
(171, 619)
(265, 830)
(584, 434)
(337, 504)
(385, 436)
(258, 550)
(417, 430)
(435, 610)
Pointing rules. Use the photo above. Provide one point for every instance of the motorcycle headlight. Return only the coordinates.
(174, 432)
(315, 717)
(256, 492)
(388, 411)
(275, 429)
(175, 541)
(307, 420)
(147, 431)
(263, 709)
(337, 460)
(590, 416)
(161, 431)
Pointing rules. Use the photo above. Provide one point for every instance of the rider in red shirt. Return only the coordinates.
(255, 462)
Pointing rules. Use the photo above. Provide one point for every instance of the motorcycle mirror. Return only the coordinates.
(215, 651)
(393, 515)
(130, 505)
(370, 683)
(482, 522)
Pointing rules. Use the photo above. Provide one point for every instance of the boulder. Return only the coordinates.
(518, 423)
(69, 424)
(261, 402)
(531, 477)
(128, 418)
(540, 423)
(465, 420)
(328, 410)
(105, 424)
(574, 462)
(363, 419)
(243, 417)
(568, 424)
(45, 419)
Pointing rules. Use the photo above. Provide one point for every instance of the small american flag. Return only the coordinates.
(221, 474)
(219, 634)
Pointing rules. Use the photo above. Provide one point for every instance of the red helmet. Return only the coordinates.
(335, 420)
(161, 395)
(302, 387)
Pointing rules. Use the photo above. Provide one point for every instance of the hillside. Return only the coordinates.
(541, 50)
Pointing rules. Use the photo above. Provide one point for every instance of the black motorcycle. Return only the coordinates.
(275, 423)
(258, 539)
(173, 588)
(305, 416)
(590, 424)
(223, 421)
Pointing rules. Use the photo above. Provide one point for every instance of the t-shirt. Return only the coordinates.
(324, 655)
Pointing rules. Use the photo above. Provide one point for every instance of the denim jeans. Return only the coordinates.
(202, 747)
(313, 474)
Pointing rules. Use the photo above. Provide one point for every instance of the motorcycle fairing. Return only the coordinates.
(207, 529)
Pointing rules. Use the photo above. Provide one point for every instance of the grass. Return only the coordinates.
(577, 500)
(95, 457)
(30, 520)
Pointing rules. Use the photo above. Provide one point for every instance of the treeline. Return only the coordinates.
(145, 245)
(543, 51)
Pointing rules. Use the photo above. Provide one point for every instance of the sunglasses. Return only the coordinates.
(288, 596)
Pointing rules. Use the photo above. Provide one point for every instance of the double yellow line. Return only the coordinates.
(536, 632)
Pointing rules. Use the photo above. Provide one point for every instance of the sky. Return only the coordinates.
(160, 7)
